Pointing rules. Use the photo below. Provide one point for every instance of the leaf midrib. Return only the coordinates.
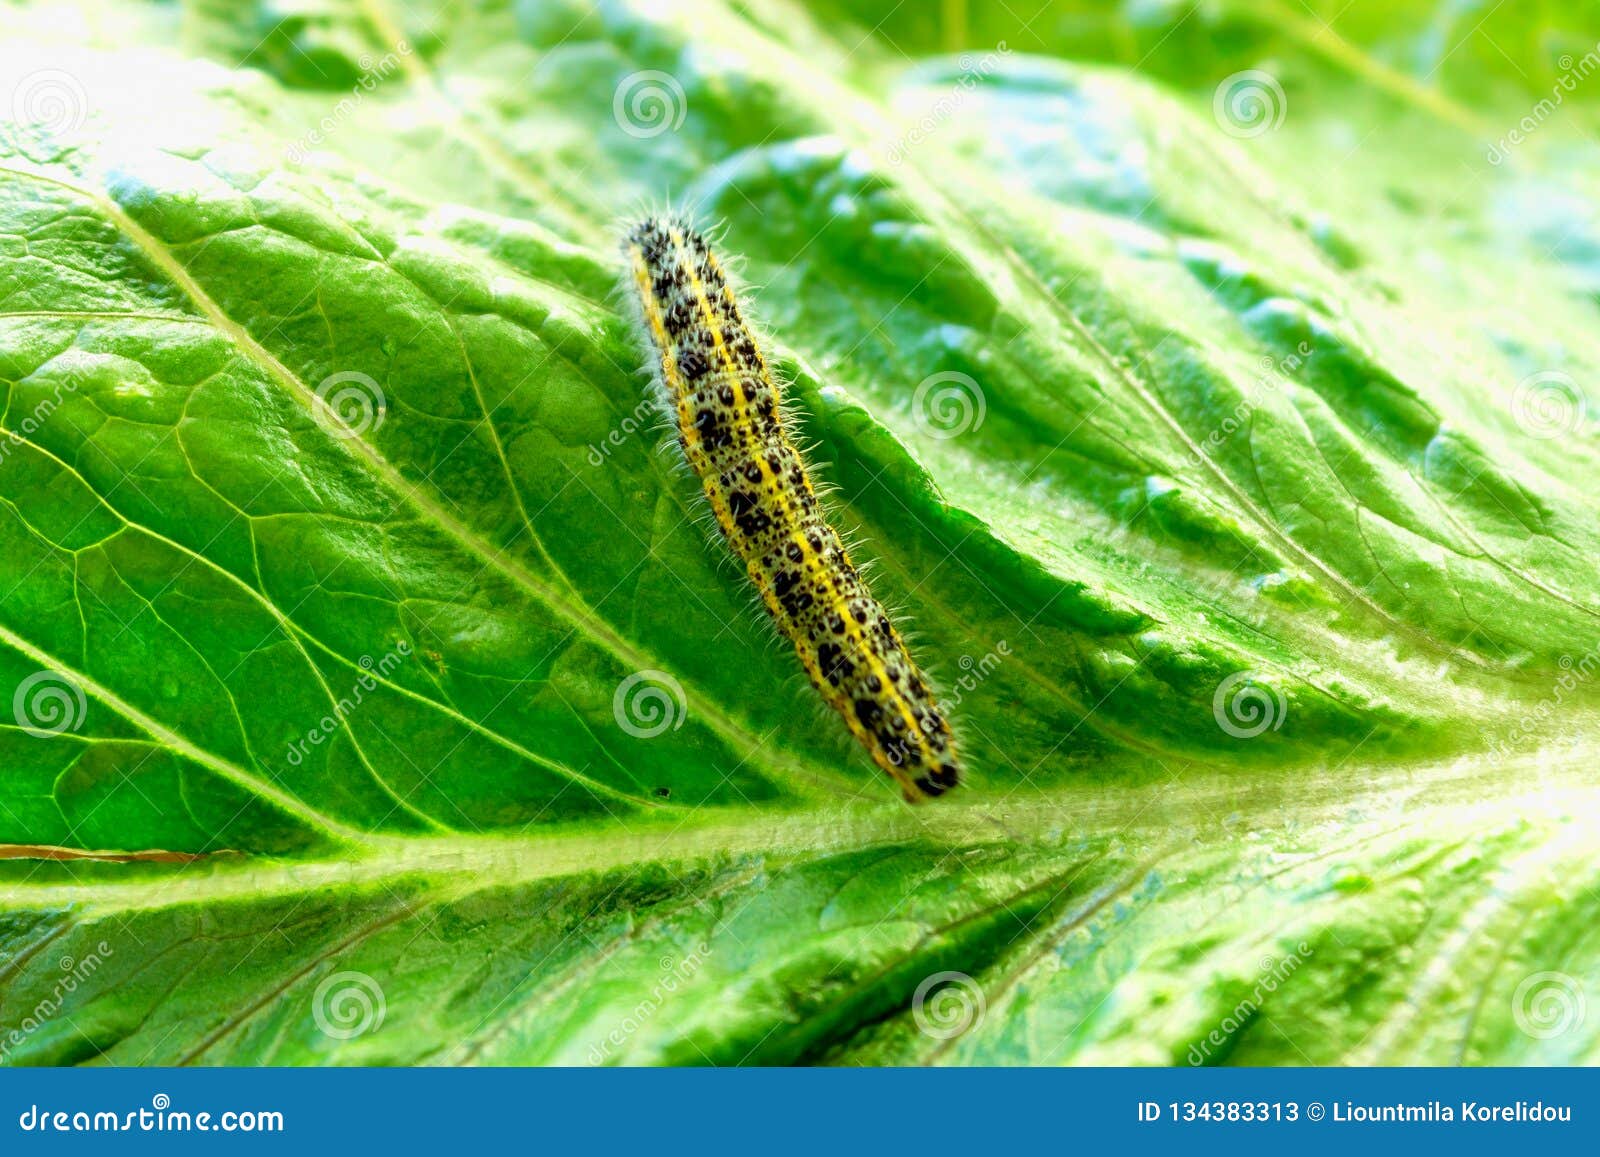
(1484, 791)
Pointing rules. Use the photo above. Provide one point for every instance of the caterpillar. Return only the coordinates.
(728, 414)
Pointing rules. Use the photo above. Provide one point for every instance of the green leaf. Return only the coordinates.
(370, 691)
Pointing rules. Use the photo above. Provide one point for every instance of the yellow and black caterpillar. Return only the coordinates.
(727, 411)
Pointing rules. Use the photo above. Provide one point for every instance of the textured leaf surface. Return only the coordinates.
(1257, 549)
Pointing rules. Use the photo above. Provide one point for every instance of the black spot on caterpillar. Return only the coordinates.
(727, 410)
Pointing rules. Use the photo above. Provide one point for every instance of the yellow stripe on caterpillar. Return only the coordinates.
(726, 408)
